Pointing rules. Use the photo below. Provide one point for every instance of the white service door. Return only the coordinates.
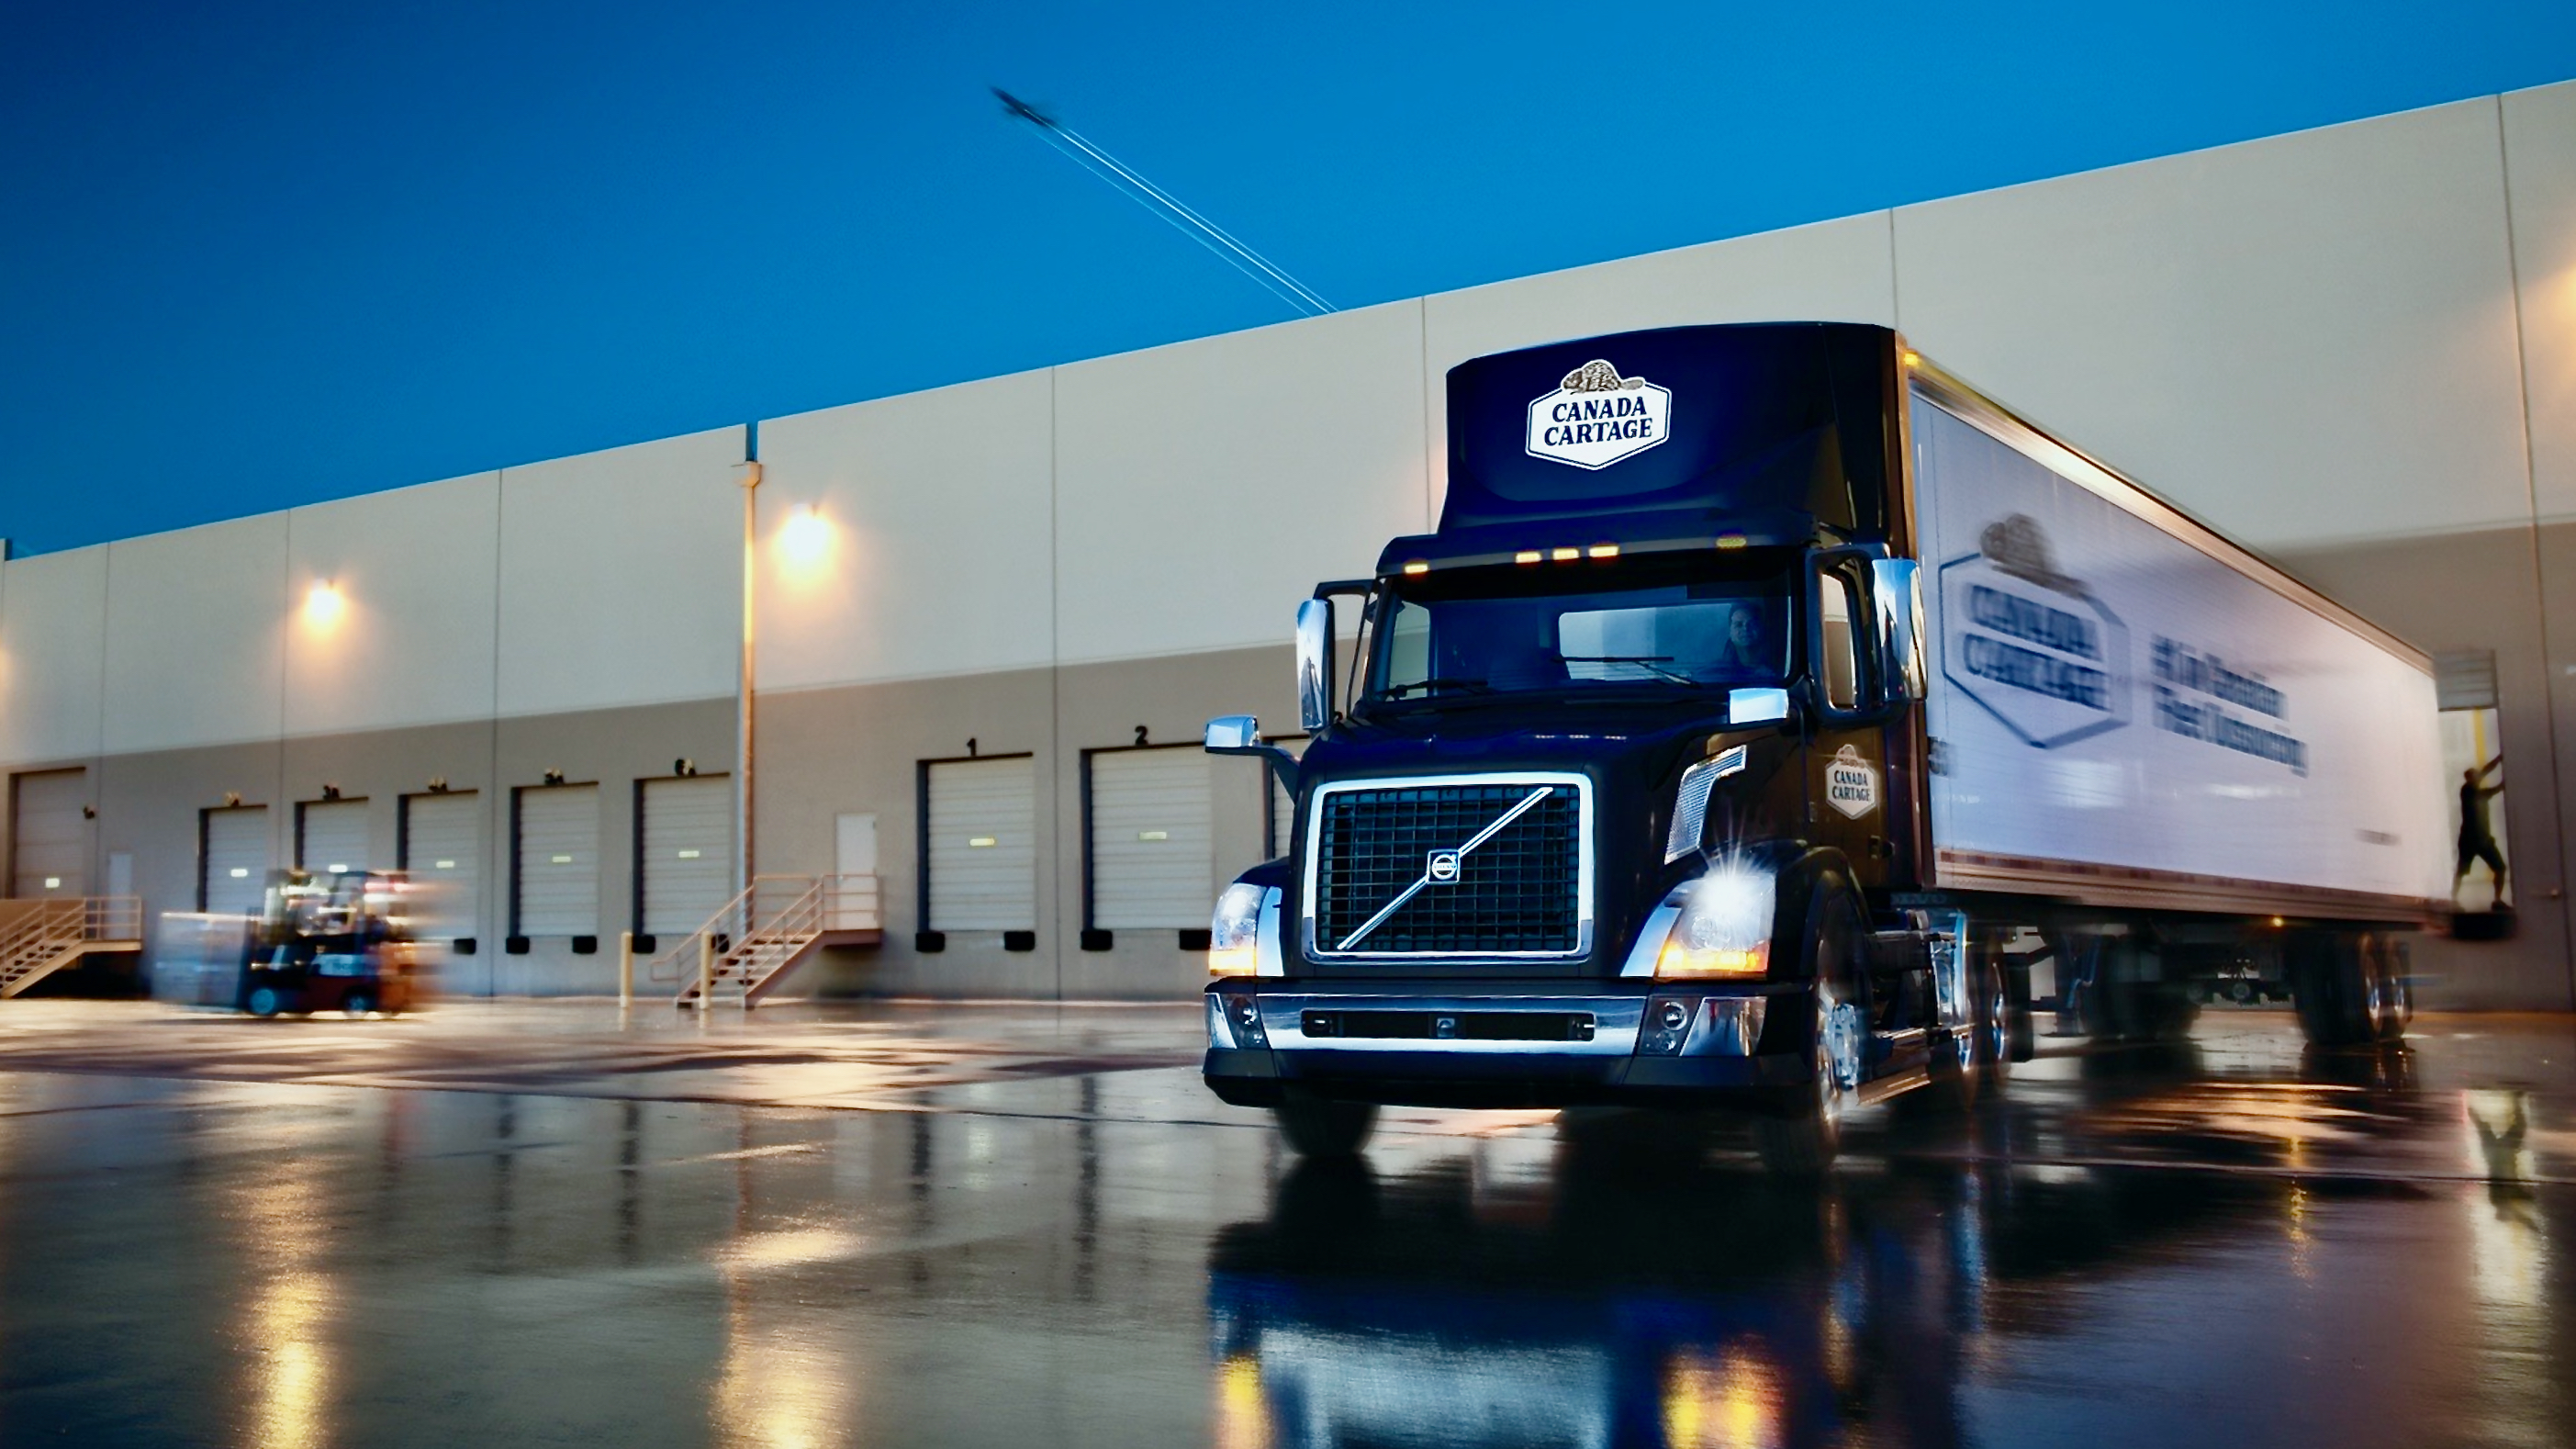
(233, 876)
(558, 884)
(1153, 839)
(983, 845)
(443, 853)
(50, 836)
(688, 852)
(855, 897)
(334, 836)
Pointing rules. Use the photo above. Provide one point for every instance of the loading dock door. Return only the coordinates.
(688, 852)
(331, 835)
(48, 834)
(442, 848)
(1153, 839)
(232, 872)
(983, 845)
(558, 857)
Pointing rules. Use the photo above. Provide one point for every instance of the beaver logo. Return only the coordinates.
(1596, 417)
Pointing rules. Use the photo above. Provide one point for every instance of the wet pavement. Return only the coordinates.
(898, 1225)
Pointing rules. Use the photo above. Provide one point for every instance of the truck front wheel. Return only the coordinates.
(1803, 1140)
(1316, 1128)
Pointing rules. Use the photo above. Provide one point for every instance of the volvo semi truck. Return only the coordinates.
(1767, 704)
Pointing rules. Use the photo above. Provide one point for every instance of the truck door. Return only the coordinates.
(1847, 765)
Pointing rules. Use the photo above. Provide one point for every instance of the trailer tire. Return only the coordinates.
(2332, 979)
(1995, 1022)
(1320, 1130)
(2395, 997)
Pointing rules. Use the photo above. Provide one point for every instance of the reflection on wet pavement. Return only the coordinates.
(542, 1225)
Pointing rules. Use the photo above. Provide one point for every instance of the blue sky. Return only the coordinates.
(259, 254)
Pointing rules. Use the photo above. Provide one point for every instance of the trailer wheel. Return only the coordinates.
(2338, 987)
(1994, 1027)
(1320, 1129)
(263, 1001)
(2395, 995)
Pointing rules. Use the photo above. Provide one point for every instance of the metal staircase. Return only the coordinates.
(748, 948)
(41, 937)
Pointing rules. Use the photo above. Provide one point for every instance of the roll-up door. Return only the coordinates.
(688, 852)
(331, 835)
(558, 858)
(232, 873)
(49, 834)
(442, 849)
(1153, 842)
(983, 845)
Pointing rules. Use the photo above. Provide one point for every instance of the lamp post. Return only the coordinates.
(742, 756)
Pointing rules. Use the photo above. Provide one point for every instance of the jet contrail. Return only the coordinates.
(1170, 208)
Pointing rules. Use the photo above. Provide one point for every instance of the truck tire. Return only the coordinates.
(1324, 1130)
(1995, 1054)
(2395, 997)
(1804, 1138)
(2332, 979)
(263, 1001)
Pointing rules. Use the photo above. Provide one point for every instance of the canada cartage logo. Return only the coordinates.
(1597, 417)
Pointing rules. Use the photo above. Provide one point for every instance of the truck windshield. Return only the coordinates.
(1653, 624)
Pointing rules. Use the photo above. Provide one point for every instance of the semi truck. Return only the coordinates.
(1765, 705)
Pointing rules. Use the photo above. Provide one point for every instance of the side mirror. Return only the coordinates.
(1240, 734)
(1229, 733)
(1896, 589)
(1314, 664)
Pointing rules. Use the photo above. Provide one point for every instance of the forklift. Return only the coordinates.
(329, 942)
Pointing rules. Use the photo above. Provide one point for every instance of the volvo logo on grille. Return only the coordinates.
(1442, 868)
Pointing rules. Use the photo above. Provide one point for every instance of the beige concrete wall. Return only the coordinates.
(53, 636)
(406, 637)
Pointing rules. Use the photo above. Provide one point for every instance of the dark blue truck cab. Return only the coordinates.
(1615, 801)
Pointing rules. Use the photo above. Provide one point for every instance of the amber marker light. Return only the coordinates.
(1565, 555)
(1603, 550)
(1527, 555)
(1417, 566)
(1730, 540)
(1913, 358)
(324, 605)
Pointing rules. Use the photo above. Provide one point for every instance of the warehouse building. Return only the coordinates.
(987, 621)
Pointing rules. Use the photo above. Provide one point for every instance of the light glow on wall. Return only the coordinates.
(324, 605)
(807, 541)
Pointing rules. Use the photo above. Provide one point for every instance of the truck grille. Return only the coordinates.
(1519, 892)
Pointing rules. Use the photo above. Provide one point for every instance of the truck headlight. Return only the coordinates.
(1724, 929)
(1234, 932)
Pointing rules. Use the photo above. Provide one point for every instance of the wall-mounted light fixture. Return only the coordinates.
(806, 540)
(324, 605)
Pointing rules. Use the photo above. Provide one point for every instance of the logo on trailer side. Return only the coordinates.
(1596, 417)
(2030, 645)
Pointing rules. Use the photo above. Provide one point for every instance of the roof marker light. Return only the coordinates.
(1527, 555)
(1563, 555)
(1730, 540)
(1603, 550)
(1417, 566)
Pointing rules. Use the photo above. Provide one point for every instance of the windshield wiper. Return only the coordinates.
(1654, 662)
(1399, 691)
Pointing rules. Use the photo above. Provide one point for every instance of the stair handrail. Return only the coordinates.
(740, 920)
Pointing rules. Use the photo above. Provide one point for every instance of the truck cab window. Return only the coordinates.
(1655, 625)
(1841, 657)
